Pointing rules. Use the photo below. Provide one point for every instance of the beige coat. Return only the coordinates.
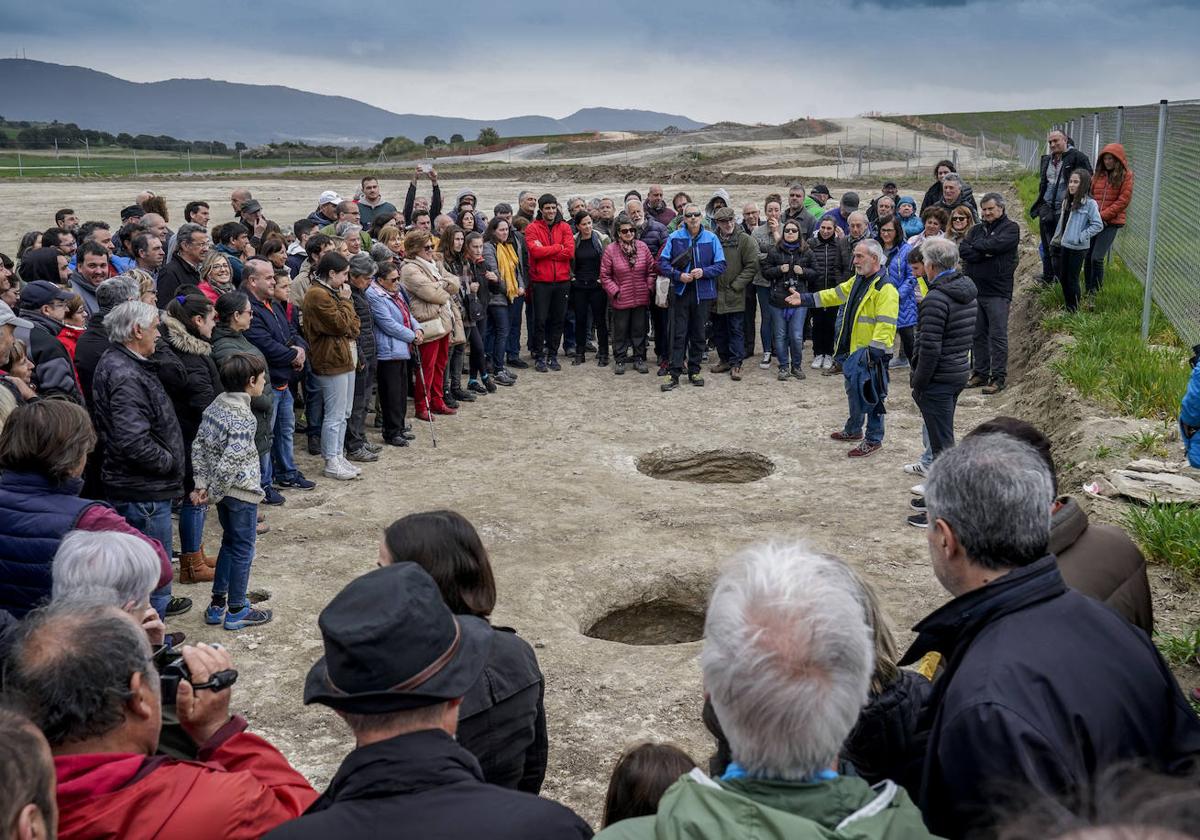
(429, 291)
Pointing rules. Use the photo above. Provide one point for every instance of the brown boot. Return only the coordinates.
(735, 373)
(192, 568)
(211, 562)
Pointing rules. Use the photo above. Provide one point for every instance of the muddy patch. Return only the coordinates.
(708, 466)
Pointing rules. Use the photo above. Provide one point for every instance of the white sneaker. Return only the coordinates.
(917, 469)
(917, 489)
(816, 362)
(765, 362)
(347, 465)
(827, 363)
(334, 469)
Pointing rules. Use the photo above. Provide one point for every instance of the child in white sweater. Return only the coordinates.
(225, 466)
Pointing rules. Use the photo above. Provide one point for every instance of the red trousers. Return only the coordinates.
(430, 377)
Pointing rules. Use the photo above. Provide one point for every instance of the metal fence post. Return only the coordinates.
(1095, 136)
(1120, 123)
(1159, 151)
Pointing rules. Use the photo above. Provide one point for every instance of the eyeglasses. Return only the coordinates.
(691, 215)
(219, 269)
(957, 219)
(427, 248)
(625, 230)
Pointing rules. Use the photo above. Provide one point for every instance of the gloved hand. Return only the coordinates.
(878, 355)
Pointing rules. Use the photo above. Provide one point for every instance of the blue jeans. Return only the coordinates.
(284, 411)
(154, 520)
(787, 324)
(496, 336)
(514, 328)
(730, 342)
(191, 526)
(859, 410)
(337, 392)
(239, 523)
(766, 330)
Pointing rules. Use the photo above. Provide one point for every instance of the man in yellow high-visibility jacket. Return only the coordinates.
(868, 331)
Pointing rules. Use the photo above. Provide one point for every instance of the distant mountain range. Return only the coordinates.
(204, 109)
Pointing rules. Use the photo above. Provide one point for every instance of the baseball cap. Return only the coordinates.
(37, 294)
(850, 200)
(329, 197)
(7, 316)
(820, 189)
(132, 212)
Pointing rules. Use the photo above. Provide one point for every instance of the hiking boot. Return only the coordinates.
(619, 368)
(578, 359)
(362, 455)
(590, 346)
(459, 395)
(696, 379)
(476, 387)
(664, 367)
(193, 569)
(843, 436)
(503, 377)
(373, 447)
(783, 375)
(994, 387)
(976, 381)
(245, 617)
(602, 361)
(640, 366)
(553, 363)
(864, 449)
(540, 366)
(488, 384)
(720, 367)
(735, 373)
(670, 385)
(798, 373)
(178, 606)
(335, 470)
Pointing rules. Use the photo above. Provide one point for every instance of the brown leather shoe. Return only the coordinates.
(192, 568)
(735, 373)
(720, 367)
(994, 387)
(976, 381)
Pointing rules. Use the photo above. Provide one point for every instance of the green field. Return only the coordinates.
(121, 163)
(1005, 125)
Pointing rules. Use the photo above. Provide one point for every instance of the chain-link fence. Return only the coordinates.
(1159, 243)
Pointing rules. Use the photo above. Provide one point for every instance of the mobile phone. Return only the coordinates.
(425, 166)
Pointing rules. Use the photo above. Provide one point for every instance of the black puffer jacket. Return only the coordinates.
(203, 383)
(945, 332)
(88, 350)
(368, 350)
(53, 372)
(882, 744)
(135, 422)
(934, 194)
(829, 262)
(989, 256)
(779, 270)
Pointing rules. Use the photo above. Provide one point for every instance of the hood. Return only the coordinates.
(78, 281)
(295, 249)
(1067, 525)
(404, 764)
(959, 287)
(35, 315)
(1117, 150)
(458, 198)
(906, 199)
(96, 797)
(40, 264)
(722, 194)
(180, 339)
(700, 810)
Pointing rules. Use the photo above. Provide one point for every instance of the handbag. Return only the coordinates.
(475, 307)
(662, 288)
(432, 329)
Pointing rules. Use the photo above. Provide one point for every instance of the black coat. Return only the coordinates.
(934, 194)
(502, 721)
(989, 256)
(53, 372)
(945, 332)
(1071, 160)
(88, 350)
(779, 270)
(883, 742)
(202, 383)
(177, 272)
(136, 423)
(1043, 688)
(368, 350)
(829, 262)
(425, 785)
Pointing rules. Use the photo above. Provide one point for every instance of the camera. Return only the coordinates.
(781, 288)
(172, 670)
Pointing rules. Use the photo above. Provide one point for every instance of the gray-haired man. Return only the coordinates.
(989, 256)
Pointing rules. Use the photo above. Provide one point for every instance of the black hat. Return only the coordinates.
(133, 211)
(391, 644)
(251, 206)
(890, 184)
(819, 189)
(547, 198)
(39, 293)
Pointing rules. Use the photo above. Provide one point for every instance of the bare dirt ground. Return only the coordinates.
(547, 472)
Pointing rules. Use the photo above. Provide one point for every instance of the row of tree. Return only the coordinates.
(487, 137)
(70, 136)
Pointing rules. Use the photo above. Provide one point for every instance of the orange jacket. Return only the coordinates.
(1112, 200)
(241, 787)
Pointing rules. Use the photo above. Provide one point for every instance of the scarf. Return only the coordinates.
(791, 247)
(630, 251)
(507, 261)
(398, 299)
(222, 288)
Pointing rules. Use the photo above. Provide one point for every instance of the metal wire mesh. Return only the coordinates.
(1176, 282)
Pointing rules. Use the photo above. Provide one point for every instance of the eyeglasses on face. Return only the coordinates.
(625, 230)
(427, 248)
(691, 215)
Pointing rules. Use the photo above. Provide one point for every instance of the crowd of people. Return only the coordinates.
(152, 374)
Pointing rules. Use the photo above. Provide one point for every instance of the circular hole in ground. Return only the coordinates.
(706, 466)
(657, 622)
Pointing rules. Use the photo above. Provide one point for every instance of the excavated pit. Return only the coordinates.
(661, 621)
(708, 466)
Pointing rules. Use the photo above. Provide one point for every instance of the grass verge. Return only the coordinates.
(1167, 533)
(1108, 361)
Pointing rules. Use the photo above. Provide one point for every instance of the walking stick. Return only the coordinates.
(425, 391)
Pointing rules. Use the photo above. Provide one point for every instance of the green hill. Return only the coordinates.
(1005, 125)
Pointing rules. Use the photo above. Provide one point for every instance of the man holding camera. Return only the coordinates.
(693, 258)
(83, 673)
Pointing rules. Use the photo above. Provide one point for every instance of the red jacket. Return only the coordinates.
(1112, 200)
(628, 286)
(240, 788)
(551, 249)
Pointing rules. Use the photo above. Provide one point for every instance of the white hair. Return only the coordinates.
(787, 658)
(940, 253)
(88, 561)
(874, 248)
(119, 323)
(861, 215)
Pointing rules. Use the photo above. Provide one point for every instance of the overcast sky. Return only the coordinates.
(744, 60)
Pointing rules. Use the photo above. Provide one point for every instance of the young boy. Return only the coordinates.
(225, 466)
